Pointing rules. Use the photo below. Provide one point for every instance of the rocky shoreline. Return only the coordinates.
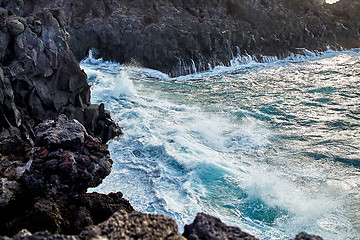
(182, 36)
(53, 140)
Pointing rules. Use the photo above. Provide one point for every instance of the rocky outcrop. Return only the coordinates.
(182, 36)
(40, 77)
(43, 187)
(134, 225)
(305, 236)
(121, 225)
(207, 227)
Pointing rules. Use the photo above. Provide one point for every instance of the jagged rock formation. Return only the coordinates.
(180, 36)
(40, 77)
(136, 225)
(207, 227)
(43, 187)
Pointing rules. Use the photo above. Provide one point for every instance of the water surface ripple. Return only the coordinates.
(272, 148)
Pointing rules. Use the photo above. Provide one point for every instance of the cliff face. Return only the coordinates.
(46, 167)
(179, 36)
(40, 77)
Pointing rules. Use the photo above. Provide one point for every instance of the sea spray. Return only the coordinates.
(253, 144)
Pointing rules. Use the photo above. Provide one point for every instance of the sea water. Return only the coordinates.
(273, 148)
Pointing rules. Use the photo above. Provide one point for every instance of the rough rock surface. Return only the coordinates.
(43, 187)
(181, 36)
(65, 159)
(121, 225)
(206, 227)
(40, 77)
(134, 225)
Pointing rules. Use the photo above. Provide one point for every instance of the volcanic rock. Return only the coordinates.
(43, 187)
(40, 77)
(207, 227)
(135, 225)
(66, 158)
(180, 37)
(305, 236)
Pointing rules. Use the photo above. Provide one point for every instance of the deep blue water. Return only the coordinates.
(273, 148)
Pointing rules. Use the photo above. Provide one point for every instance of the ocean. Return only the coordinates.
(271, 147)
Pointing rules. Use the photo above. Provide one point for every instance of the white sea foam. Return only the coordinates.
(179, 158)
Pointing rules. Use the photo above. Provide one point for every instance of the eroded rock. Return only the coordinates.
(207, 227)
(136, 225)
(43, 187)
(40, 77)
(66, 159)
(180, 37)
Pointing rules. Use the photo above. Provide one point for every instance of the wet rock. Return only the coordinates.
(136, 225)
(207, 227)
(102, 206)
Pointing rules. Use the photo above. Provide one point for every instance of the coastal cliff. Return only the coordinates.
(53, 139)
(182, 36)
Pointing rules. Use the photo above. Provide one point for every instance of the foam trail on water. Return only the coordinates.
(180, 157)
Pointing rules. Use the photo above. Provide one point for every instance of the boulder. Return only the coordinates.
(66, 159)
(43, 186)
(135, 225)
(207, 227)
(305, 236)
(15, 27)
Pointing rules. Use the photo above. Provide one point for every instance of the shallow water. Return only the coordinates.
(270, 147)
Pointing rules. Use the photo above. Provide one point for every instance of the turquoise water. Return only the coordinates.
(273, 148)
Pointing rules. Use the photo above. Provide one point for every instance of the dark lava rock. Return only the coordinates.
(179, 37)
(61, 133)
(206, 227)
(26, 235)
(65, 159)
(135, 225)
(45, 189)
(305, 236)
(40, 77)
(102, 206)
